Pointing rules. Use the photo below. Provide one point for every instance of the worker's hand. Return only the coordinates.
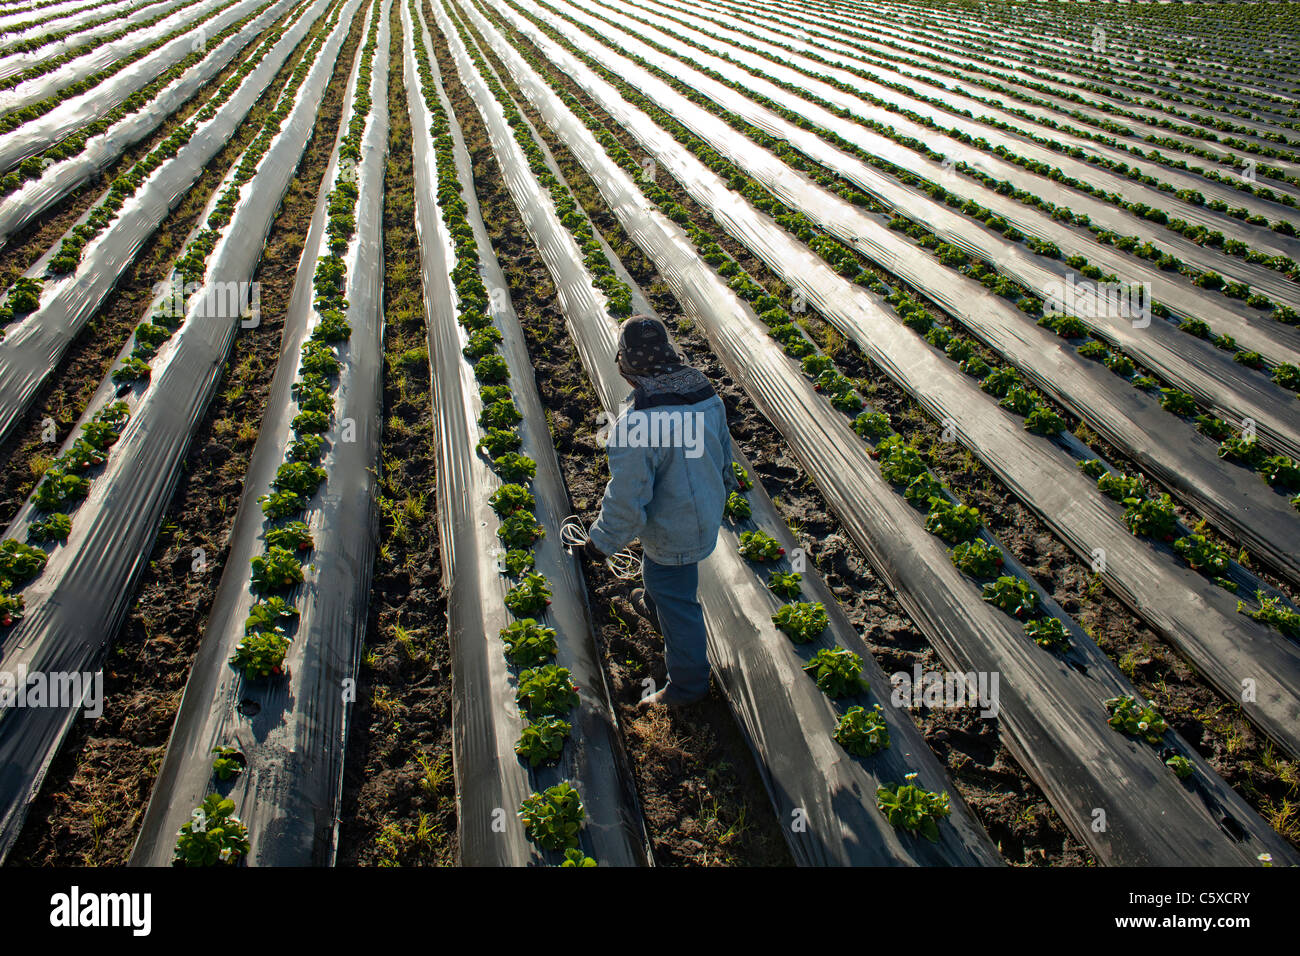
(591, 552)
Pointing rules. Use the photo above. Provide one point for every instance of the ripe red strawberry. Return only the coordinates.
(7, 620)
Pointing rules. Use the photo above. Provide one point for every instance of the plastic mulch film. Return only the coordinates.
(824, 797)
(292, 731)
(1051, 708)
(77, 604)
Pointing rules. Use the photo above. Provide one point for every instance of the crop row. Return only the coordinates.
(545, 693)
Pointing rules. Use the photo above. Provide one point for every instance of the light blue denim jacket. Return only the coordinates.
(668, 483)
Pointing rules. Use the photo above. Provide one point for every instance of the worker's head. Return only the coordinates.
(644, 349)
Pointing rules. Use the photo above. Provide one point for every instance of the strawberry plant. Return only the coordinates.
(333, 327)
(516, 561)
(282, 504)
(814, 365)
(975, 366)
(53, 527)
(575, 857)
(1043, 421)
(1012, 595)
(837, 672)
(310, 423)
(1215, 428)
(1120, 487)
(912, 808)
(1119, 363)
(1181, 766)
(1048, 632)
(1177, 401)
(481, 342)
(1244, 450)
(306, 448)
(500, 415)
(1139, 720)
(542, 740)
(760, 546)
(59, 489)
(514, 467)
(1287, 375)
(1202, 554)
(492, 369)
(20, 562)
(737, 507)
(847, 401)
(801, 622)
(1272, 612)
(952, 523)
(11, 609)
(319, 359)
(293, 536)
(742, 476)
(529, 596)
(872, 426)
(784, 585)
(270, 615)
(510, 498)
(261, 654)
(212, 836)
(1000, 381)
(229, 763)
(81, 456)
(275, 570)
(520, 529)
(528, 643)
(546, 691)
(862, 732)
(977, 558)
(498, 441)
(553, 817)
(299, 478)
(1281, 471)
(1019, 400)
(900, 463)
(1092, 467)
(1093, 349)
(1154, 517)
(921, 489)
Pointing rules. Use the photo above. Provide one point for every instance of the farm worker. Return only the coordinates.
(670, 471)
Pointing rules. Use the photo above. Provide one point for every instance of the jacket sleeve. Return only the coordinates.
(630, 489)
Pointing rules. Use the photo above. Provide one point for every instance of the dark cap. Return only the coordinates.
(643, 343)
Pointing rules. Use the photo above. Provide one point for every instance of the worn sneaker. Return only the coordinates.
(669, 696)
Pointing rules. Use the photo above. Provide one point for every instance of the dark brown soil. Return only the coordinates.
(92, 800)
(701, 794)
(399, 800)
(1214, 726)
(63, 398)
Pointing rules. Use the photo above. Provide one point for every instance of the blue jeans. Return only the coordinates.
(671, 593)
